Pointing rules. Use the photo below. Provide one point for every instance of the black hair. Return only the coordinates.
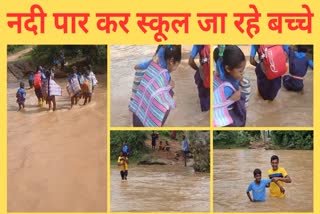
(172, 52)
(232, 56)
(158, 48)
(216, 54)
(38, 68)
(274, 157)
(256, 172)
(48, 74)
(302, 48)
(21, 84)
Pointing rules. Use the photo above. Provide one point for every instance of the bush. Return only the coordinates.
(135, 140)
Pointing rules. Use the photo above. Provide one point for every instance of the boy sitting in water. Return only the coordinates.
(123, 162)
(258, 187)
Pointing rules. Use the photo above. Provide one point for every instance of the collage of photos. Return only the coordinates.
(184, 160)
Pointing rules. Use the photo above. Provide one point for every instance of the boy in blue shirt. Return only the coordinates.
(258, 187)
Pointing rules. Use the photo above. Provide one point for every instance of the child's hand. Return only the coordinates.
(282, 190)
(136, 67)
(235, 96)
(275, 179)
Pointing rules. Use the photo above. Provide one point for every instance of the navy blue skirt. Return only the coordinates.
(292, 84)
(268, 89)
(238, 113)
(203, 93)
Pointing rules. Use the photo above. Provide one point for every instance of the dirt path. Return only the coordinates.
(17, 55)
(174, 154)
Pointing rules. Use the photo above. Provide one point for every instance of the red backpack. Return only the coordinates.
(205, 64)
(37, 80)
(274, 60)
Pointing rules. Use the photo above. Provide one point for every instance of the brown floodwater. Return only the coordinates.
(57, 161)
(233, 171)
(123, 59)
(160, 188)
(287, 109)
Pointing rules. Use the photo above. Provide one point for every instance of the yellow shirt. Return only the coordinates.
(274, 188)
(123, 164)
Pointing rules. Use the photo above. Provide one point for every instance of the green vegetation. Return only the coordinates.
(293, 139)
(267, 139)
(78, 55)
(135, 140)
(92, 54)
(199, 143)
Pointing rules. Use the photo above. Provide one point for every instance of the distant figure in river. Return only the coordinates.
(185, 146)
(30, 79)
(21, 96)
(123, 163)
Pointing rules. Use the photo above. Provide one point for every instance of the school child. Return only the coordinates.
(161, 100)
(244, 84)
(298, 67)
(229, 103)
(87, 87)
(269, 76)
(74, 86)
(93, 77)
(30, 79)
(50, 90)
(158, 58)
(37, 83)
(258, 187)
(123, 162)
(202, 75)
(21, 96)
